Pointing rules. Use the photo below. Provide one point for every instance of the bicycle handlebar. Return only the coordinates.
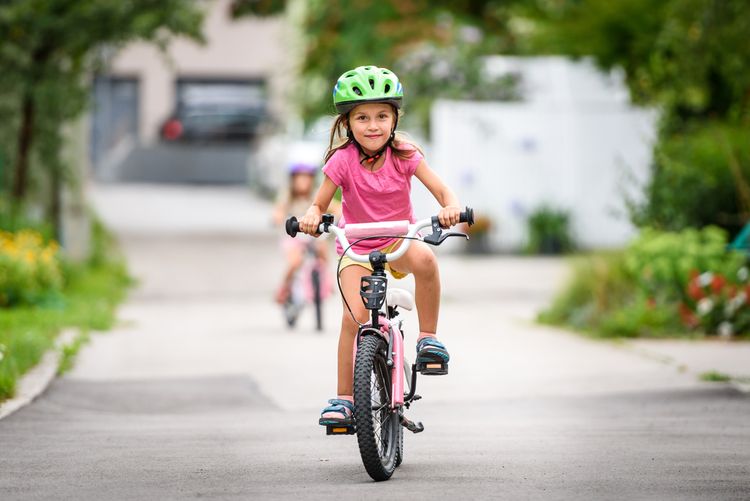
(327, 226)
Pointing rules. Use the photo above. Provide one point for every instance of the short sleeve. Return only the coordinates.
(334, 169)
(408, 166)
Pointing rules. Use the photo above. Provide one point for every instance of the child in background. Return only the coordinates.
(296, 200)
(373, 165)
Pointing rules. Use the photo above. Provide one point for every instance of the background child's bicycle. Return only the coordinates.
(311, 285)
(384, 382)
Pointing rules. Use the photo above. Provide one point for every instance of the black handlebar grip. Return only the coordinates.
(292, 226)
(467, 216)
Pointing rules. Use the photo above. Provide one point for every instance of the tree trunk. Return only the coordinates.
(55, 207)
(25, 138)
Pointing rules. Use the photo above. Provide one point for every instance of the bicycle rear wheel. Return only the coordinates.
(378, 425)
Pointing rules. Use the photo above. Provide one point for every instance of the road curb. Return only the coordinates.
(37, 380)
(739, 383)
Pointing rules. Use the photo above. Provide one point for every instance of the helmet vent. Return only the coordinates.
(372, 83)
(357, 91)
(387, 87)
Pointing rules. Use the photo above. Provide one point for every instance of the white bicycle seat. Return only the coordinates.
(399, 297)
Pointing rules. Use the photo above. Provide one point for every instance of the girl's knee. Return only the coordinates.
(348, 322)
(425, 263)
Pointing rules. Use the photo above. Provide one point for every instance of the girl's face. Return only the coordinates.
(302, 184)
(372, 124)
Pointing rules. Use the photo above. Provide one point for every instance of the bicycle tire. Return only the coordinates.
(291, 313)
(317, 299)
(400, 447)
(407, 389)
(377, 425)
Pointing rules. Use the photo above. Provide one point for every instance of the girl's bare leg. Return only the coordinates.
(294, 258)
(421, 262)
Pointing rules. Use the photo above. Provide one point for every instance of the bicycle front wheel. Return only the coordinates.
(317, 299)
(378, 425)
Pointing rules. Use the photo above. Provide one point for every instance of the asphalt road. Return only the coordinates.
(202, 393)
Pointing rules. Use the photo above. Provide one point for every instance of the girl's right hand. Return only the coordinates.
(311, 221)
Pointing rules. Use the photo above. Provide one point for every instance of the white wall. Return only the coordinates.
(574, 143)
(247, 48)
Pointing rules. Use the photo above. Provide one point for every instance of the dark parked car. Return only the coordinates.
(214, 113)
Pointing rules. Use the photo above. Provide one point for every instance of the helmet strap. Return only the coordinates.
(370, 159)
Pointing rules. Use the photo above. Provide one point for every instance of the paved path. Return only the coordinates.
(201, 392)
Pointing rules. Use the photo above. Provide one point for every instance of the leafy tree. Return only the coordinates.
(433, 46)
(47, 50)
(690, 57)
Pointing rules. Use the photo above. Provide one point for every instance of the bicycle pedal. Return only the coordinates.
(410, 425)
(432, 368)
(340, 429)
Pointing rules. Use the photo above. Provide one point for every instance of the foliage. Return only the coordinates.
(715, 377)
(48, 49)
(29, 269)
(650, 290)
(687, 56)
(87, 301)
(661, 263)
(718, 303)
(70, 351)
(700, 177)
(455, 71)
(434, 47)
(598, 284)
(549, 231)
(241, 8)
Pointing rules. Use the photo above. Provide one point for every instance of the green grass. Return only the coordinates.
(714, 376)
(70, 351)
(88, 302)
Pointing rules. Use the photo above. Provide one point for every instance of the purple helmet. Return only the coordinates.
(303, 168)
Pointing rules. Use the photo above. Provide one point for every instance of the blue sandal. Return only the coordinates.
(340, 412)
(432, 357)
(430, 349)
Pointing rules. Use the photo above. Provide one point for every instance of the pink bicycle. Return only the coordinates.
(311, 285)
(384, 381)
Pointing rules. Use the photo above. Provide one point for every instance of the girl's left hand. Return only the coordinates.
(449, 216)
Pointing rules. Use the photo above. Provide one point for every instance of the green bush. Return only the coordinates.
(663, 284)
(661, 263)
(29, 269)
(549, 231)
(86, 297)
(699, 178)
(597, 286)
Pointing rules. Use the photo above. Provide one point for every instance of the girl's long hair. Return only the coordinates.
(341, 139)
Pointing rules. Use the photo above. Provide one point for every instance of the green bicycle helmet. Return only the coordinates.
(367, 84)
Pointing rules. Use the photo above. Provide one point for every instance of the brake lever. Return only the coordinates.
(437, 238)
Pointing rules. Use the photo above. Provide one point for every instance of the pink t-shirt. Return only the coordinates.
(383, 195)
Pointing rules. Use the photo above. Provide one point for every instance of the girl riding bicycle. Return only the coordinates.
(295, 200)
(373, 165)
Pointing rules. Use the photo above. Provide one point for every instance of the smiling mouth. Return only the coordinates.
(373, 137)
